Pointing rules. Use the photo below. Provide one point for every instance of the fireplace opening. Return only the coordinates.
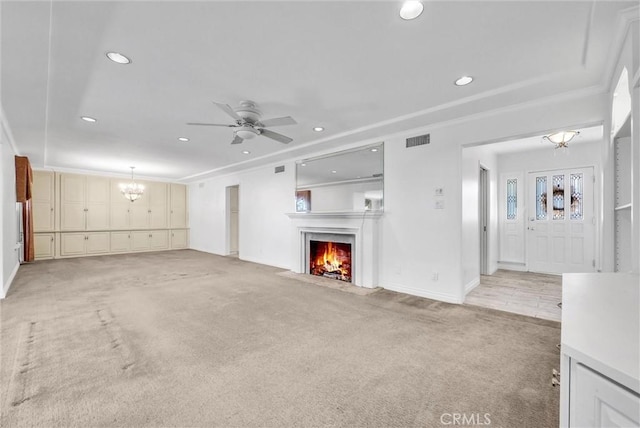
(330, 259)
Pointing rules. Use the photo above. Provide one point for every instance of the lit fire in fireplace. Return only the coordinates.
(331, 260)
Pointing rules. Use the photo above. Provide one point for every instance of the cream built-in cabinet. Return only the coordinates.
(43, 201)
(84, 202)
(80, 215)
(179, 238)
(44, 245)
(178, 211)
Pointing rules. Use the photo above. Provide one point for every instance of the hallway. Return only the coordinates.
(526, 293)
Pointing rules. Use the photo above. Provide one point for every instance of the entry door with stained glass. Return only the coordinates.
(560, 226)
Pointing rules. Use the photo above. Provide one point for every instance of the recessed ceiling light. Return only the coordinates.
(411, 10)
(464, 80)
(318, 129)
(246, 152)
(184, 139)
(374, 150)
(118, 57)
(303, 164)
(88, 119)
(334, 171)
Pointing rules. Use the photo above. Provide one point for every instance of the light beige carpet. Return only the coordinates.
(183, 338)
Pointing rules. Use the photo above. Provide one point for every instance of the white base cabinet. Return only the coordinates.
(600, 361)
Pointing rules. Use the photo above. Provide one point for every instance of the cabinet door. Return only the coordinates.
(178, 206)
(97, 203)
(97, 243)
(179, 238)
(119, 216)
(159, 239)
(43, 243)
(72, 202)
(120, 242)
(43, 201)
(140, 240)
(596, 401)
(139, 214)
(158, 208)
(72, 244)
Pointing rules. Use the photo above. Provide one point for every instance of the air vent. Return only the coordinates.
(418, 141)
(280, 169)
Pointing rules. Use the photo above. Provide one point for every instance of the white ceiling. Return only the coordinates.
(348, 66)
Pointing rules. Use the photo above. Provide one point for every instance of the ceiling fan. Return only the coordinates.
(248, 123)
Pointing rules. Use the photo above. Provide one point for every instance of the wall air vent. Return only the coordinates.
(418, 141)
(280, 169)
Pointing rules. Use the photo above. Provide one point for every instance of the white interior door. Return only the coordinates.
(560, 226)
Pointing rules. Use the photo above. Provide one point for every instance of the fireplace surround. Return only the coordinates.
(360, 229)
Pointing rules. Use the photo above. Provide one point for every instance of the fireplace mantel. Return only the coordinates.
(336, 214)
(363, 225)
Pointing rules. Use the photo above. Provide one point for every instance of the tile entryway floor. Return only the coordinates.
(526, 293)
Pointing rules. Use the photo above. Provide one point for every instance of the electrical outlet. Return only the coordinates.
(439, 204)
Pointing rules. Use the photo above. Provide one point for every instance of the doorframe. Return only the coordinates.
(228, 215)
(484, 201)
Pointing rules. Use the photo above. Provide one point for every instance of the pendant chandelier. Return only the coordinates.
(132, 191)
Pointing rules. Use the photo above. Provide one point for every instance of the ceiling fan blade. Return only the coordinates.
(275, 136)
(227, 109)
(237, 140)
(210, 124)
(278, 121)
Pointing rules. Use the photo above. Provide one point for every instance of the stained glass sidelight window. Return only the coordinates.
(512, 198)
(576, 197)
(558, 197)
(541, 198)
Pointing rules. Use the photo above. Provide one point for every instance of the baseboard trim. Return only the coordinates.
(520, 267)
(434, 295)
(7, 285)
(471, 285)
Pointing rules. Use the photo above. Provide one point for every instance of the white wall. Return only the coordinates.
(265, 198)
(472, 159)
(416, 240)
(8, 217)
(543, 159)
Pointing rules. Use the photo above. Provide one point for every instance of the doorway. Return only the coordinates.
(561, 224)
(233, 220)
(483, 217)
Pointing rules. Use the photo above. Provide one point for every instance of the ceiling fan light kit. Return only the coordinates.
(248, 124)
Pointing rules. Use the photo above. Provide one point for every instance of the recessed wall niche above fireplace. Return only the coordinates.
(330, 255)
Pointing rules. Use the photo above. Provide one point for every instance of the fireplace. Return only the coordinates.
(330, 255)
(330, 259)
